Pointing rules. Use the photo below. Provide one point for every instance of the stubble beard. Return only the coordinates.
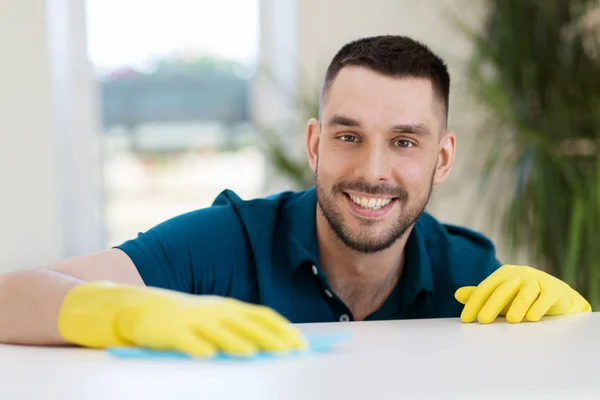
(363, 242)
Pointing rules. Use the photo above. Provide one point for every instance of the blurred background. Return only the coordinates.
(116, 115)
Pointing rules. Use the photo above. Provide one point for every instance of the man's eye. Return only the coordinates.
(349, 138)
(404, 143)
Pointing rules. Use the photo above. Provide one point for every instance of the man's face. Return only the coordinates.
(378, 150)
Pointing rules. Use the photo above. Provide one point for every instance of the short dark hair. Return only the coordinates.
(394, 56)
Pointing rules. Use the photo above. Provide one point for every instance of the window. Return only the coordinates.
(174, 89)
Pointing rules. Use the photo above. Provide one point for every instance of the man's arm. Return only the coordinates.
(184, 308)
(30, 300)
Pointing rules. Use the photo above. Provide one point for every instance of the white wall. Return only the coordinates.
(49, 199)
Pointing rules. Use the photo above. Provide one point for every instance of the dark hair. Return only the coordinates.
(395, 56)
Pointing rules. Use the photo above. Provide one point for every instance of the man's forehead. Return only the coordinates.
(358, 91)
(361, 78)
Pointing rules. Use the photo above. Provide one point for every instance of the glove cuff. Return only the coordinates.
(88, 314)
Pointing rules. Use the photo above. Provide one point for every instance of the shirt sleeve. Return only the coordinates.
(193, 252)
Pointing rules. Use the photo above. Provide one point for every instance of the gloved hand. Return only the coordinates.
(102, 314)
(519, 292)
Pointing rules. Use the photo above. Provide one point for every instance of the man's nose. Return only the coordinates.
(375, 164)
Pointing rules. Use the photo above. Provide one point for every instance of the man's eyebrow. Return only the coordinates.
(338, 120)
(417, 129)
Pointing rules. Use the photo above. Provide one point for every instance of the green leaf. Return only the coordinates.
(536, 73)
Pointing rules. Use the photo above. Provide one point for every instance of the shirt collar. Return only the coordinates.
(302, 229)
(417, 268)
(302, 244)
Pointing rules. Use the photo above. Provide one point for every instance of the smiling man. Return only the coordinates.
(379, 147)
(356, 246)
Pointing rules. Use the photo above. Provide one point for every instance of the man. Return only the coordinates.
(357, 246)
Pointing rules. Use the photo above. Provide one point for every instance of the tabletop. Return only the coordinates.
(556, 358)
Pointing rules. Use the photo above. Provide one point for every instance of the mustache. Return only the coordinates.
(385, 189)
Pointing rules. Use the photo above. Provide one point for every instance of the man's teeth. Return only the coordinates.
(369, 202)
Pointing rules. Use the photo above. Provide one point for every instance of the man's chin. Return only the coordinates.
(369, 247)
(368, 242)
(372, 227)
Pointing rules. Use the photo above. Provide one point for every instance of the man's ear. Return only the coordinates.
(447, 151)
(313, 134)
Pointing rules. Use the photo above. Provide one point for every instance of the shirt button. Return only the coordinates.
(344, 318)
(314, 270)
(328, 293)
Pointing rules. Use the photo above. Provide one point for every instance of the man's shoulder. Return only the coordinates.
(209, 250)
(229, 217)
(275, 200)
(461, 254)
(261, 208)
(444, 234)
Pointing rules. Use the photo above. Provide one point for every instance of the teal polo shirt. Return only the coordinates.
(264, 251)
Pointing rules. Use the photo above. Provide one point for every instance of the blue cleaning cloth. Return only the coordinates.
(318, 343)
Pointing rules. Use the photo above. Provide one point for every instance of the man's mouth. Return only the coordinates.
(370, 203)
(370, 207)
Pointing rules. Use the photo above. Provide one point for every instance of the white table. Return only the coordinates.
(421, 359)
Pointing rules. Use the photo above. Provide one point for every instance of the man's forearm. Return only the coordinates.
(29, 305)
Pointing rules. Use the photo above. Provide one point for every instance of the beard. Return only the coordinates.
(363, 242)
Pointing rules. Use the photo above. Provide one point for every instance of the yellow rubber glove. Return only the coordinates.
(519, 292)
(102, 314)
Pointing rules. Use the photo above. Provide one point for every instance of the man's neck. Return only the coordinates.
(363, 281)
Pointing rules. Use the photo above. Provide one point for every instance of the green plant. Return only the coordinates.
(281, 143)
(536, 71)
(288, 164)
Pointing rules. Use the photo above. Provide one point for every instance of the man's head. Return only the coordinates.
(381, 142)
